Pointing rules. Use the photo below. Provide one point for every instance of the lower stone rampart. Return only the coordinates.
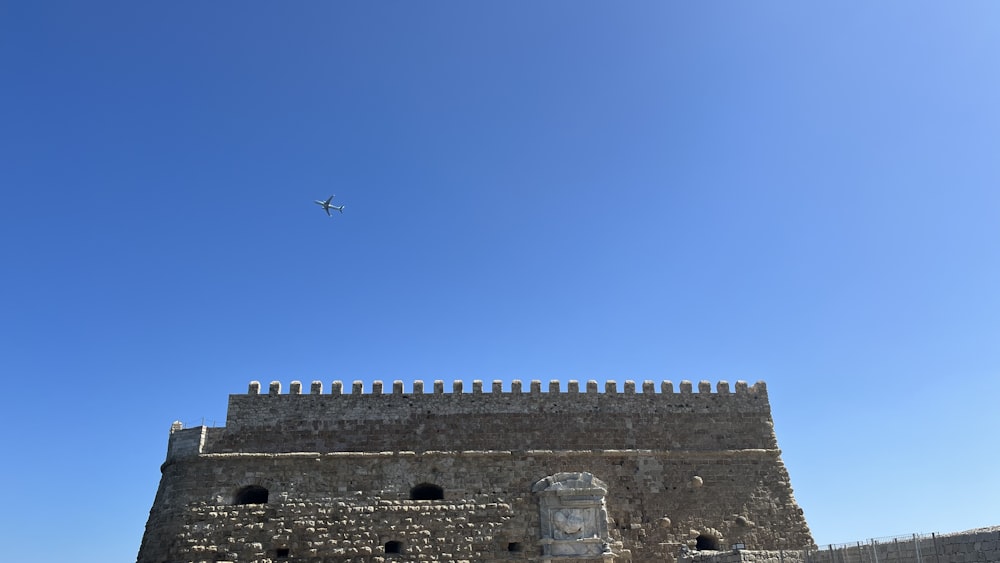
(357, 506)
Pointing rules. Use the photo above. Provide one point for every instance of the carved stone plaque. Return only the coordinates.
(574, 520)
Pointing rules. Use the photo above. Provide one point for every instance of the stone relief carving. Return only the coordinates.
(573, 517)
(568, 524)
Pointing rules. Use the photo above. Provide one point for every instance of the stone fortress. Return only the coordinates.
(644, 473)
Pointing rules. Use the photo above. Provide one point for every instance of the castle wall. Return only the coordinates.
(339, 470)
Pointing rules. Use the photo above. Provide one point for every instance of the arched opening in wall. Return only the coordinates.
(706, 543)
(253, 494)
(426, 491)
(393, 547)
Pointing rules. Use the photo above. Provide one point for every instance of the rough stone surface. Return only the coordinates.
(521, 475)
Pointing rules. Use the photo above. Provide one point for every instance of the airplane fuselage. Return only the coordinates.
(327, 207)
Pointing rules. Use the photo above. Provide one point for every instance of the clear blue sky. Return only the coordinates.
(805, 193)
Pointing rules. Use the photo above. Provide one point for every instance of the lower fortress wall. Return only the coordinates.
(348, 507)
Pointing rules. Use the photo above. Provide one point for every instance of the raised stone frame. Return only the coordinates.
(573, 517)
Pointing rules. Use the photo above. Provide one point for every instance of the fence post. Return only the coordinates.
(875, 549)
(916, 545)
(937, 558)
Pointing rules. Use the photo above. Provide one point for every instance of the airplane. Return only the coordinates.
(327, 207)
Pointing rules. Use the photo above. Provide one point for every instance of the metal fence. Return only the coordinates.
(919, 548)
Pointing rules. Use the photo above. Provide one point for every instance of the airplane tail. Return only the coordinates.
(341, 208)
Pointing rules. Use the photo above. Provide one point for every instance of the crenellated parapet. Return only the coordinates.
(355, 416)
(554, 386)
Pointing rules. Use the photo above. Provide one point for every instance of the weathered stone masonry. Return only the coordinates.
(517, 475)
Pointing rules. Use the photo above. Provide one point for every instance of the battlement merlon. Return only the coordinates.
(516, 388)
(185, 442)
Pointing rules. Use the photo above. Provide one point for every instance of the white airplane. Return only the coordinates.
(327, 207)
